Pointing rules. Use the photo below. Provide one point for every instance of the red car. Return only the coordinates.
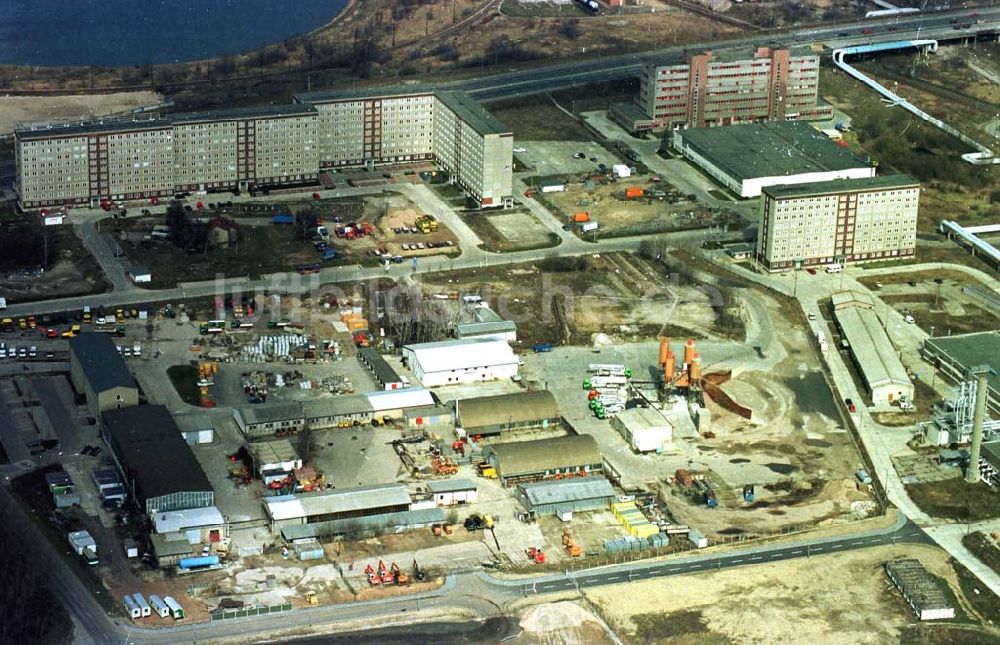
(850, 406)
(811, 271)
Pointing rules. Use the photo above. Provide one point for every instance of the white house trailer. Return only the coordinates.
(176, 611)
(453, 492)
(466, 360)
(159, 606)
(143, 606)
(131, 608)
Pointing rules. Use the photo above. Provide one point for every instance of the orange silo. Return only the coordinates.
(695, 369)
(664, 350)
(689, 352)
(669, 367)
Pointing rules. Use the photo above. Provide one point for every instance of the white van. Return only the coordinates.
(834, 268)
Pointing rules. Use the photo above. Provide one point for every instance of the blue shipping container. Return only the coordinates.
(283, 218)
(199, 561)
(329, 254)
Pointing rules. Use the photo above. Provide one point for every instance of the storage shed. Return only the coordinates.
(395, 402)
(196, 525)
(169, 549)
(567, 496)
(524, 461)
(920, 590)
(325, 506)
(645, 429)
(385, 375)
(466, 360)
(98, 372)
(332, 412)
(366, 526)
(453, 492)
(428, 416)
(497, 415)
(269, 419)
(278, 454)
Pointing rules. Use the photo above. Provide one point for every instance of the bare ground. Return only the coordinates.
(24, 109)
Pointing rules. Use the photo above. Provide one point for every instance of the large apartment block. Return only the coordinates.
(389, 126)
(712, 89)
(848, 220)
(83, 163)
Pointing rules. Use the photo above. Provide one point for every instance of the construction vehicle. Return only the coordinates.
(572, 548)
(386, 575)
(373, 578)
(311, 598)
(86, 314)
(426, 223)
(487, 471)
(399, 574)
(444, 466)
(536, 555)
(418, 574)
(7, 324)
(31, 322)
(22, 323)
(748, 493)
(119, 316)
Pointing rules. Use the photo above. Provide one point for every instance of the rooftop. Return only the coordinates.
(520, 407)
(149, 443)
(270, 412)
(451, 485)
(73, 128)
(530, 457)
(273, 452)
(336, 406)
(178, 521)
(377, 364)
(167, 545)
(473, 113)
(570, 490)
(970, 350)
(871, 346)
(410, 397)
(777, 148)
(384, 91)
(383, 522)
(464, 353)
(102, 365)
(346, 500)
(253, 112)
(880, 182)
(638, 418)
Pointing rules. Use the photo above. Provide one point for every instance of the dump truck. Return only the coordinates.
(581, 217)
(634, 192)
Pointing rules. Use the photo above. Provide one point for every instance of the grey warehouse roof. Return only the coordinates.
(100, 361)
(530, 457)
(367, 523)
(969, 350)
(377, 364)
(149, 443)
(880, 182)
(270, 412)
(769, 149)
(451, 485)
(571, 490)
(871, 347)
(336, 406)
(345, 500)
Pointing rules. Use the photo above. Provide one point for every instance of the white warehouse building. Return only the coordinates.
(466, 360)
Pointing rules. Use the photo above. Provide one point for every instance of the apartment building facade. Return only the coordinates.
(390, 126)
(68, 164)
(721, 89)
(838, 221)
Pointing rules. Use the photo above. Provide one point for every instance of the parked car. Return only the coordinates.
(850, 406)
(520, 149)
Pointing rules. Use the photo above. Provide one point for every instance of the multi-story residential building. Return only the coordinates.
(400, 125)
(838, 221)
(84, 163)
(712, 89)
(65, 164)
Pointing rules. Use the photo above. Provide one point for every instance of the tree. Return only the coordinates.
(570, 29)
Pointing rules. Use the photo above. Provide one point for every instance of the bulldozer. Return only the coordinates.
(487, 471)
(572, 548)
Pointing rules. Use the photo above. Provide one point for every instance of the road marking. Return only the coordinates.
(817, 548)
(740, 560)
(756, 557)
(615, 577)
(796, 552)
(856, 543)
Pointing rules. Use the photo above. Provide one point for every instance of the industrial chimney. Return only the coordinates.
(982, 373)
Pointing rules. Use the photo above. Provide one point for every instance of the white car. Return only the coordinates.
(520, 149)
(908, 318)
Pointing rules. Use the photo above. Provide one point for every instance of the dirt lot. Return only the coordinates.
(74, 272)
(665, 209)
(610, 293)
(510, 230)
(842, 598)
(941, 308)
(24, 109)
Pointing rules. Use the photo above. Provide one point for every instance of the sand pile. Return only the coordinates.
(561, 623)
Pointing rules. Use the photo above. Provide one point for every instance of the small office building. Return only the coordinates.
(98, 372)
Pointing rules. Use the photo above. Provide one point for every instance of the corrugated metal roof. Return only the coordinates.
(451, 485)
(270, 413)
(521, 407)
(177, 521)
(871, 347)
(336, 406)
(530, 457)
(272, 452)
(472, 329)
(167, 545)
(286, 507)
(100, 361)
(465, 353)
(571, 490)
(639, 418)
(384, 373)
(382, 522)
(410, 397)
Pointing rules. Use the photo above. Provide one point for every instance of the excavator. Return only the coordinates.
(399, 574)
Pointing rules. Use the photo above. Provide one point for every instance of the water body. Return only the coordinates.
(486, 632)
(812, 394)
(117, 33)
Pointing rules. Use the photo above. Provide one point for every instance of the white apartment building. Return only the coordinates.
(847, 220)
(401, 125)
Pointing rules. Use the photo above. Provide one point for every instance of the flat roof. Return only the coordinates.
(970, 350)
(639, 418)
(520, 407)
(387, 522)
(252, 112)
(193, 518)
(270, 412)
(771, 149)
(880, 182)
(54, 130)
(336, 406)
(164, 546)
(481, 328)
(451, 485)
(871, 346)
(383, 91)
(346, 500)
(463, 353)
(377, 364)
(473, 113)
(571, 490)
(408, 397)
(102, 365)
(149, 443)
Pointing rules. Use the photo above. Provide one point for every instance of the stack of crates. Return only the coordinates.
(658, 540)
(635, 523)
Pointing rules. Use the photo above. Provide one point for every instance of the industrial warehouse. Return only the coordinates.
(98, 371)
(958, 354)
(504, 414)
(87, 162)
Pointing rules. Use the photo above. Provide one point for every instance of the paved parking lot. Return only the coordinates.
(556, 157)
